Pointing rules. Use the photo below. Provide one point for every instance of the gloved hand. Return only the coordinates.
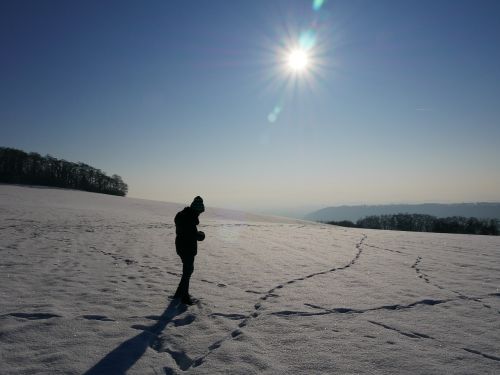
(200, 236)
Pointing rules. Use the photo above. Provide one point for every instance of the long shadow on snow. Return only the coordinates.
(125, 355)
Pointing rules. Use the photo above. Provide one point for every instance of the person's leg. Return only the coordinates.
(187, 270)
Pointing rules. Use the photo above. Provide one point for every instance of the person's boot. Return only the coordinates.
(178, 293)
(187, 300)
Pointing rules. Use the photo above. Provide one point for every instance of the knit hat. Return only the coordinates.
(197, 204)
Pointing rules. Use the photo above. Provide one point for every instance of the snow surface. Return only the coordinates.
(85, 283)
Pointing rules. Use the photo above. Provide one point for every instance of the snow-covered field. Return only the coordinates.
(85, 281)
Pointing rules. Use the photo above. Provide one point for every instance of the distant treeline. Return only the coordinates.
(425, 223)
(19, 167)
(481, 210)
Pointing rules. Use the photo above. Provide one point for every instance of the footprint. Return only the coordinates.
(184, 321)
(181, 358)
(489, 356)
(215, 345)
(98, 317)
(34, 316)
(229, 316)
(236, 333)
(153, 317)
(253, 291)
(197, 362)
(141, 327)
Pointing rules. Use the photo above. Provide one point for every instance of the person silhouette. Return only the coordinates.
(186, 244)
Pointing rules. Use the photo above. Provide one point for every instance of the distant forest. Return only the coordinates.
(19, 167)
(425, 223)
(481, 210)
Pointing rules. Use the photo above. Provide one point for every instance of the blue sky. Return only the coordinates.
(402, 103)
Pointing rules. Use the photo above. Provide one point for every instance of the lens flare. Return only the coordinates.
(317, 4)
(298, 60)
(307, 39)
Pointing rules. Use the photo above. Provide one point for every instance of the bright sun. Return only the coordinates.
(298, 60)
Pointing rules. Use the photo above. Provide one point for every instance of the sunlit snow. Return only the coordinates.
(85, 280)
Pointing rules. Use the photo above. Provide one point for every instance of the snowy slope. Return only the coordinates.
(85, 280)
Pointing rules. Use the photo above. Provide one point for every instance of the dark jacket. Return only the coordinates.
(186, 241)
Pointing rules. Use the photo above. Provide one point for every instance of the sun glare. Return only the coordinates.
(298, 60)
